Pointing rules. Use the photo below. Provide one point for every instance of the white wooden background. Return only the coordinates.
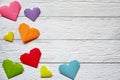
(86, 30)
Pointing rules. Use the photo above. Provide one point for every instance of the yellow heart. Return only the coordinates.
(45, 73)
(9, 37)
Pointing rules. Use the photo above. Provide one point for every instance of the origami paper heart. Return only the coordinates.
(32, 14)
(70, 70)
(9, 37)
(31, 59)
(28, 34)
(12, 69)
(45, 73)
(11, 12)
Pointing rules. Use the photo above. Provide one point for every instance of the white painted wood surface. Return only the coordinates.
(67, 27)
(65, 50)
(86, 30)
(73, 8)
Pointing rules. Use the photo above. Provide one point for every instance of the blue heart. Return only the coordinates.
(70, 70)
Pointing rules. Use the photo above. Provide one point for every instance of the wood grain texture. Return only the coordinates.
(73, 8)
(48, 1)
(87, 72)
(86, 30)
(65, 50)
(67, 27)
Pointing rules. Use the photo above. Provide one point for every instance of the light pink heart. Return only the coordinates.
(12, 11)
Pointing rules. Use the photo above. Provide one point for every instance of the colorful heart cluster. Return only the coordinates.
(28, 34)
(12, 11)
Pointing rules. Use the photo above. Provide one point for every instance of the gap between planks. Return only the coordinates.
(80, 62)
(74, 39)
(73, 16)
(49, 1)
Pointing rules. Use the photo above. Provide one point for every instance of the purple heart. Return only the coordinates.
(32, 14)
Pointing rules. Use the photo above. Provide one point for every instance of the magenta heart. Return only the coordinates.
(32, 14)
(11, 12)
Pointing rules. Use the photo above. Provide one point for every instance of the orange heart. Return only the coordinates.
(28, 34)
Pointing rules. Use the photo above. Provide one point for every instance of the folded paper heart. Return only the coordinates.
(12, 11)
(12, 69)
(32, 14)
(28, 34)
(45, 73)
(9, 37)
(70, 70)
(31, 59)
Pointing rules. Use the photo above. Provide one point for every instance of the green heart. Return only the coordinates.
(12, 69)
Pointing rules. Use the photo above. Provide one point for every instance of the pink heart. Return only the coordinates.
(11, 12)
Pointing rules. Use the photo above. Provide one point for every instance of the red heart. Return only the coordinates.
(31, 59)
(11, 12)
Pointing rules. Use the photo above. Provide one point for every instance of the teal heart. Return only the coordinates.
(70, 70)
(12, 69)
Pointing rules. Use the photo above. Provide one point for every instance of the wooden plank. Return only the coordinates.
(87, 72)
(50, 1)
(67, 27)
(74, 8)
(65, 50)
